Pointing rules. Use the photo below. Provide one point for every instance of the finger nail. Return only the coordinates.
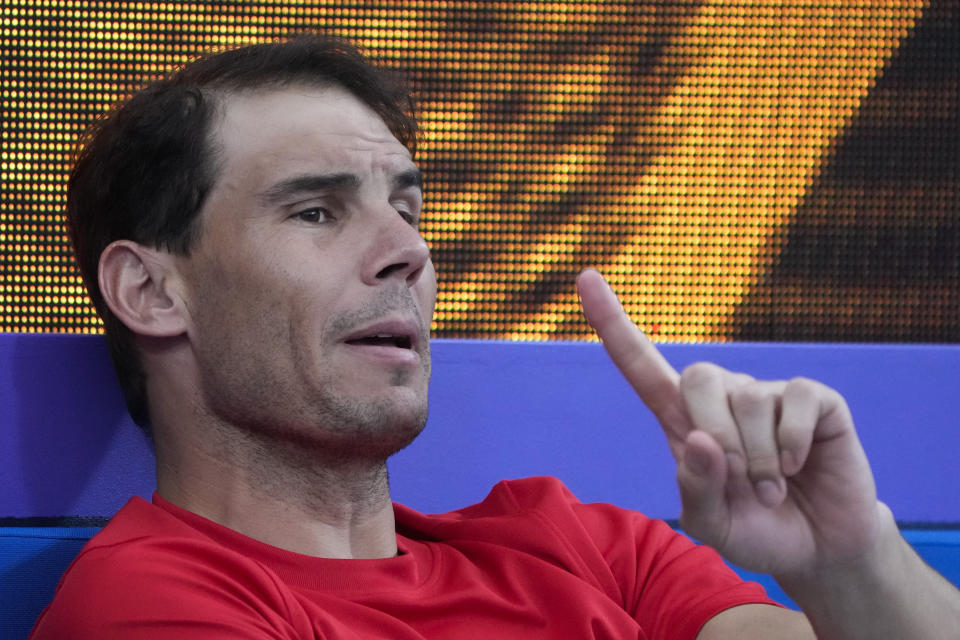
(768, 492)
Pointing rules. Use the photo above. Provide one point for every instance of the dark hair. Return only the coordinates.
(144, 171)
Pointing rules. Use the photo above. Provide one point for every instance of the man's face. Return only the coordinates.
(310, 290)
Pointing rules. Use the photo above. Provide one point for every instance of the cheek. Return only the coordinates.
(426, 291)
(310, 310)
(242, 303)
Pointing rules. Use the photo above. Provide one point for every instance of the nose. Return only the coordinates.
(397, 251)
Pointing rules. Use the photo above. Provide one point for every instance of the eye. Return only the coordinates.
(409, 218)
(410, 214)
(313, 215)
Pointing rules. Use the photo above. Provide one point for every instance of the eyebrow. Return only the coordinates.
(315, 183)
(409, 178)
(310, 184)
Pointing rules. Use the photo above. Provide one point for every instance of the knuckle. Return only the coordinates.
(748, 398)
(804, 387)
(699, 374)
(737, 380)
(811, 392)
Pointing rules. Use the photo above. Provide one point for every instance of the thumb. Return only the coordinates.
(702, 478)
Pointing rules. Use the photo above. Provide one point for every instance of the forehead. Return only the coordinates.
(265, 129)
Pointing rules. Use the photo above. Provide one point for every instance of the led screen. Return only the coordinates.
(751, 170)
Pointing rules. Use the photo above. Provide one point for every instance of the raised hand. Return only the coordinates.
(771, 474)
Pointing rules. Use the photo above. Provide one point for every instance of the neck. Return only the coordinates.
(284, 493)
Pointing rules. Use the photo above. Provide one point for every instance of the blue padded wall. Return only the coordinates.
(498, 410)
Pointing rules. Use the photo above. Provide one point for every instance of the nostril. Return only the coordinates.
(387, 271)
(414, 275)
(397, 258)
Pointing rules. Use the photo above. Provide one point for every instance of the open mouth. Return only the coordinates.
(383, 340)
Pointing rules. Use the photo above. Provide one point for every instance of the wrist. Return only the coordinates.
(867, 595)
(869, 565)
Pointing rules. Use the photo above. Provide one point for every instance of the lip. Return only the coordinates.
(403, 328)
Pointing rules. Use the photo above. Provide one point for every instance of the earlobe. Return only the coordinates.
(136, 285)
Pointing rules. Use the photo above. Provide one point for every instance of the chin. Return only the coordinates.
(372, 427)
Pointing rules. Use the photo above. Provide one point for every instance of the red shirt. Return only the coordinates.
(530, 561)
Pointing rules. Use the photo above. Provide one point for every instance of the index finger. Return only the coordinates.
(639, 360)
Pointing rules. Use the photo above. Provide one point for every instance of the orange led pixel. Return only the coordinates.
(758, 170)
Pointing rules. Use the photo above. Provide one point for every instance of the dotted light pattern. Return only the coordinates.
(669, 143)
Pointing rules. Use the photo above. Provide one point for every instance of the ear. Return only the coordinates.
(137, 283)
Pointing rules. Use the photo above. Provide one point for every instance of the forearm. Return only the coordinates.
(889, 593)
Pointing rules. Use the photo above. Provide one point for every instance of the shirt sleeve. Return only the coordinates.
(670, 585)
(172, 589)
